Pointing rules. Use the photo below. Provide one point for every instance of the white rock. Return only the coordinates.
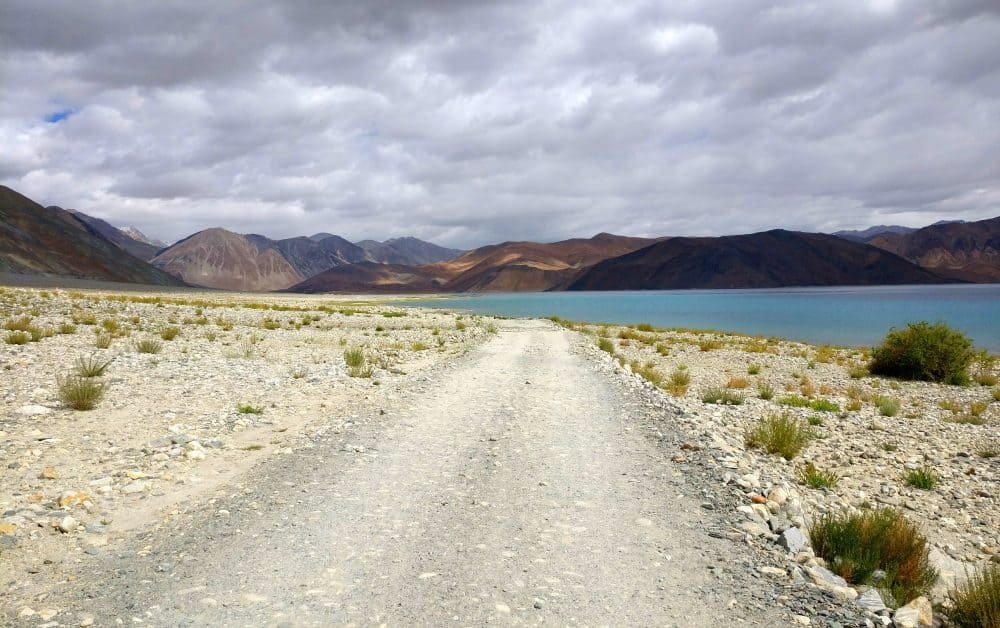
(916, 614)
(67, 524)
(33, 410)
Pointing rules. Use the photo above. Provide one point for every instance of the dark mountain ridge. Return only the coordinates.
(50, 240)
(770, 259)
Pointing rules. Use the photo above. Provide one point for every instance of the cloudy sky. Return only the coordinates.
(474, 122)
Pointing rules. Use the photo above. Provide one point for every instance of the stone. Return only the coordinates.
(917, 614)
(755, 528)
(47, 613)
(86, 621)
(794, 541)
(779, 524)
(49, 473)
(160, 443)
(773, 571)
(67, 524)
(69, 498)
(829, 581)
(778, 495)
(871, 600)
(758, 499)
(195, 454)
(33, 410)
(7, 528)
(801, 620)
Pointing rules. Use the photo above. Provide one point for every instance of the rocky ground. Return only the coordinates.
(242, 380)
(870, 436)
(168, 449)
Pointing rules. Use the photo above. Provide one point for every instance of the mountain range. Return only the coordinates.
(56, 241)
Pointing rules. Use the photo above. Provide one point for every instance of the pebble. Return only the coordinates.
(68, 524)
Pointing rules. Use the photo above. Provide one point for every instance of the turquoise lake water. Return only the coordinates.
(850, 316)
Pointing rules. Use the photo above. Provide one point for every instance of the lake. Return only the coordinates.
(851, 316)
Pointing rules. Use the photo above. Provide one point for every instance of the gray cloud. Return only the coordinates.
(468, 123)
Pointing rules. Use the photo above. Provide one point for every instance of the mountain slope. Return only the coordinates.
(407, 250)
(770, 259)
(969, 251)
(139, 236)
(216, 258)
(119, 238)
(369, 277)
(529, 266)
(37, 239)
(864, 235)
(310, 257)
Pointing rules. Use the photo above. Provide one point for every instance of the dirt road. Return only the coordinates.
(511, 487)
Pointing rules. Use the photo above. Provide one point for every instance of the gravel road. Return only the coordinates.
(509, 487)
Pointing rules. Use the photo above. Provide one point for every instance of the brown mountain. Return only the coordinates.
(529, 266)
(770, 259)
(370, 277)
(969, 251)
(216, 258)
(143, 250)
(50, 240)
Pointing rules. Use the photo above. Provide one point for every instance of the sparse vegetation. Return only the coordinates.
(753, 369)
(102, 341)
(765, 391)
(819, 405)
(861, 547)
(92, 366)
(779, 434)
(17, 338)
(923, 351)
(357, 363)
(249, 408)
(923, 478)
(976, 602)
(80, 393)
(738, 383)
(887, 406)
(605, 344)
(148, 345)
(169, 333)
(722, 396)
(817, 478)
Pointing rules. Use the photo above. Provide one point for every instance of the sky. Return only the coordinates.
(467, 123)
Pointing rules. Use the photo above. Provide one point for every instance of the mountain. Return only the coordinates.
(969, 251)
(216, 258)
(310, 257)
(408, 250)
(529, 266)
(139, 236)
(50, 240)
(864, 235)
(119, 238)
(370, 277)
(770, 259)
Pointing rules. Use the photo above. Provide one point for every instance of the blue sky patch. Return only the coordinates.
(58, 116)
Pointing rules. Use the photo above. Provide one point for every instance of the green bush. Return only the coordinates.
(817, 478)
(148, 345)
(923, 478)
(80, 393)
(887, 406)
(858, 545)
(722, 396)
(605, 345)
(976, 602)
(17, 338)
(92, 366)
(779, 434)
(922, 351)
